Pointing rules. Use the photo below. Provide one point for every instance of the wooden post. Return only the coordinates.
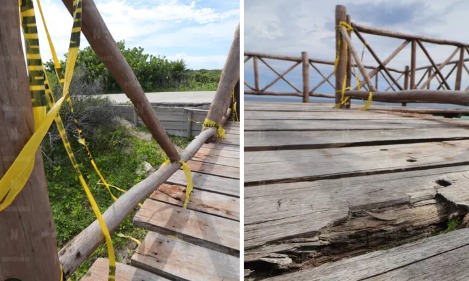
(341, 50)
(237, 92)
(406, 81)
(106, 49)
(304, 56)
(413, 64)
(457, 86)
(189, 122)
(256, 73)
(348, 80)
(229, 78)
(28, 247)
(429, 77)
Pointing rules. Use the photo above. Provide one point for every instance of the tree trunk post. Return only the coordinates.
(255, 62)
(349, 66)
(413, 64)
(28, 246)
(406, 81)
(305, 59)
(457, 86)
(341, 50)
(102, 42)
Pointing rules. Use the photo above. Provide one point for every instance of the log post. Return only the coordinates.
(429, 77)
(28, 247)
(457, 86)
(237, 92)
(406, 81)
(255, 63)
(341, 51)
(304, 56)
(229, 78)
(348, 80)
(106, 49)
(413, 64)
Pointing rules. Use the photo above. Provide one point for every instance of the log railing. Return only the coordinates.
(450, 75)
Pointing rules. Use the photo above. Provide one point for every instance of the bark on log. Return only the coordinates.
(305, 72)
(341, 52)
(102, 42)
(28, 247)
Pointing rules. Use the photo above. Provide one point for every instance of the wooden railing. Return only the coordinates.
(412, 83)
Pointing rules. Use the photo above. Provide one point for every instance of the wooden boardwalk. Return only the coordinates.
(197, 243)
(323, 185)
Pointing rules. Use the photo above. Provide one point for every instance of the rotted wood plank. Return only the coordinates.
(277, 211)
(182, 261)
(441, 257)
(206, 230)
(272, 140)
(202, 201)
(100, 272)
(297, 165)
(228, 186)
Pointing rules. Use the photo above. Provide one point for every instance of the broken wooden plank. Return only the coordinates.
(212, 183)
(100, 272)
(272, 140)
(179, 260)
(277, 211)
(203, 201)
(264, 166)
(202, 229)
(445, 253)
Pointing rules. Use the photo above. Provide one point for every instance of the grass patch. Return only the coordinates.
(118, 154)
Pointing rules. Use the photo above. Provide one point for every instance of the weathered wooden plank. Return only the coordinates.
(332, 115)
(271, 140)
(233, 140)
(219, 160)
(207, 182)
(316, 125)
(202, 229)
(287, 106)
(214, 169)
(217, 151)
(203, 201)
(220, 146)
(296, 165)
(278, 211)
(182, 261)
(100, 271)
(420, 255)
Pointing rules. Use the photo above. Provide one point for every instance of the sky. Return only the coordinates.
(198, 31)
(289, 27)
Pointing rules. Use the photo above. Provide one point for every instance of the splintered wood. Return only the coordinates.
(324, 184)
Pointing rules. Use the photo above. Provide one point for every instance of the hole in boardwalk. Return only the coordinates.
(443, 182)
(411, 160)
(383, 149)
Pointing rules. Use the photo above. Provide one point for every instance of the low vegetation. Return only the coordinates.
(118, 151)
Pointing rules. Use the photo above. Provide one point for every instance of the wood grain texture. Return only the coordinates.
(179, 260)
(351, 161)
(202, 201)
(279, 211)
(446, 253)
(28, 246)
(228, 186)
(275, 140)
(214, 169)
(100, 271)
(206, 230)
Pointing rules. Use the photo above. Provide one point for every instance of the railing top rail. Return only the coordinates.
(406, 36)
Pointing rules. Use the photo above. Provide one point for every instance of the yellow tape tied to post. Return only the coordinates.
(187, 173)
(212, 124)
(343, 98)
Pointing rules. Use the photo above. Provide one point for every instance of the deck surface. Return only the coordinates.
(319, 179)
(198, 243)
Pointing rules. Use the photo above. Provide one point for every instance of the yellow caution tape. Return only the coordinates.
(211, 124)
(17, 175)
(343, 99)
(190, 184)
(368, 102)
(129, 237)
(235, 113)
(60, 77)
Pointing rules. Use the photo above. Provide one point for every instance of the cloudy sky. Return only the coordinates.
(289, 27)
(199, 31)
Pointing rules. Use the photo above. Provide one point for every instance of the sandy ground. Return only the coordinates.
(185, 98)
